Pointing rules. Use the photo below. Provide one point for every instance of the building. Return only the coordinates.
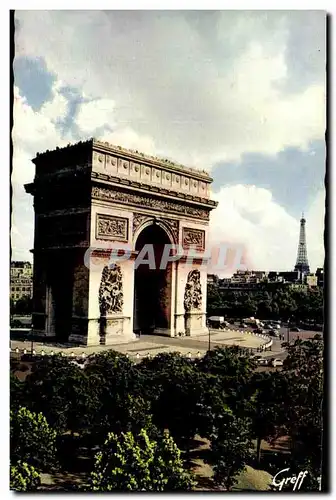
(21, 280)
(94, 201)
(260, 280)
(284, 277)
(310, 280)
(245, 276)
(212, 279)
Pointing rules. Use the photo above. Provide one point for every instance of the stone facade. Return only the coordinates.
(93, 197)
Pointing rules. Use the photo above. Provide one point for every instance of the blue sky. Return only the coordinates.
(241, 94)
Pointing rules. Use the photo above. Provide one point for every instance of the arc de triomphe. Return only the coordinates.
(92, 197)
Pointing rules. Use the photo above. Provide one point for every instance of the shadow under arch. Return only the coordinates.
(152, 286)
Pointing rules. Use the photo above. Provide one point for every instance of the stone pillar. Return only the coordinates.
(50, 312)
(79, 321)
(194, 298)
(179, 312)
(111, 296)
(41, 300)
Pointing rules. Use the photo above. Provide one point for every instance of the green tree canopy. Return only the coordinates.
(172, 381)
(62, 392)
(121, 406)
(24, 477)
(303, 369)
(32, 440)
(129, 463)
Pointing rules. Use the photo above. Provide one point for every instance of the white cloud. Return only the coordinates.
(315, 230)
(205, 87)
(33, 131)
(57, 107)
(248, 216)
(95, 114)
(130, 139)
(196, 87)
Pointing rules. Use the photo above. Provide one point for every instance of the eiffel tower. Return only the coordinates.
(302, 259)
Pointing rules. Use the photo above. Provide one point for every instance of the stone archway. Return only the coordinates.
(152, 285)
(91, 198)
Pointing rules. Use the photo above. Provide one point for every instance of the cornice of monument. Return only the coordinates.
(151, 160)
(131, 154)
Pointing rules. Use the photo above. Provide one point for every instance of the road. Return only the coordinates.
(277, 350)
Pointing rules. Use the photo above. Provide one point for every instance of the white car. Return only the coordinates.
(276, 362)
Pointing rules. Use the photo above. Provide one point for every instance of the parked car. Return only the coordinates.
(257, 330)
(224, 325)
(276, 362)
(274, 326)
(243, 325)
(273, 333)
(263, 361)
(216, 321)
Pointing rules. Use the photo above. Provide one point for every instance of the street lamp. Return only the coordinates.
(288, 323)
(209, 341)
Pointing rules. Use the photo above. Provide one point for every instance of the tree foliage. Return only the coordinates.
(271, 301)
(32, 440)
(62, 392)
(17, 392)
(172, 381)
(121, 406)
(230, 447)
(21, 306)
(24, 477)
(232, 369)
(129, 463)
(220, 397)
(303, 369)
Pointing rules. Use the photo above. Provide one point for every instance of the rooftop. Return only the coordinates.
(131, 152)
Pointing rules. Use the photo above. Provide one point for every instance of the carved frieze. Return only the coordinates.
(174, 227)
(149, 201)
(193, 238)
(111, 297)
(193, 291)
(109, 227)
(138, 220)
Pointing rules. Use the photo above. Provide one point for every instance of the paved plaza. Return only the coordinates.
(195, 346)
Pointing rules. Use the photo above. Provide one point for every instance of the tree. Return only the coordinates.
(63, 393)
(21, 306)
(121, 406)
(17, 392)
(128, 463)
(271, 300)
(230, 447)
(267, 410)
(32, 440)
(173, 381)
(233, 367)
(303, 369)
(24, 477)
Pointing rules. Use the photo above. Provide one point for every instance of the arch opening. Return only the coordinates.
(152, 287)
